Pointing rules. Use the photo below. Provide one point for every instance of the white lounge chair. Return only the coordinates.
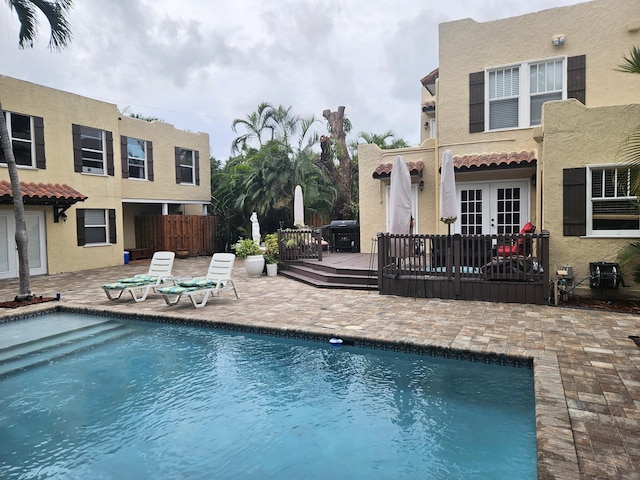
(140, 285)
(218, 278)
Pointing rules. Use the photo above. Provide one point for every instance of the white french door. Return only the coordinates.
(37, 244)
(492, 207)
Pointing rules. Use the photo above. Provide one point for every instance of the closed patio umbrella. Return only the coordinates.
(298, 207)
(448, 198)
(399, 204)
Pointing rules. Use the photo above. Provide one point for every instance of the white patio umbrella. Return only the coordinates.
(399, 204)
(298, 207)
(448, 198)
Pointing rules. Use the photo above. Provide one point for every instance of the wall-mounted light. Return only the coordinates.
(63, 216)
(421, 185)
(558, 40)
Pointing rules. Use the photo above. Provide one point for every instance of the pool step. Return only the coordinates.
(45, 349)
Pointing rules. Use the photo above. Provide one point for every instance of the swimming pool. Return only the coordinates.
(124, 399)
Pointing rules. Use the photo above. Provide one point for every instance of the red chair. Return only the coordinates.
(523, 245)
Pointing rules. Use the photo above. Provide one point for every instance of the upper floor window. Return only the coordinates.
(27, 140)
(137, 158)
(515, 94)
(92, 150)
(612, 208)
(93, 153)
(187, 168)
(512, 96)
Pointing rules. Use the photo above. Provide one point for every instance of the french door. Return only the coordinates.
(37, 244)
(492, 208)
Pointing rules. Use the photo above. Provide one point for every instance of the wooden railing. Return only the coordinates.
(504, 268)
(295, 244)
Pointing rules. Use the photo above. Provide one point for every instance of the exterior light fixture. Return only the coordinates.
(421, 185)
(558, 40)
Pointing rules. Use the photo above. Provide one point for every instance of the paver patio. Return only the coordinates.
(587, 370)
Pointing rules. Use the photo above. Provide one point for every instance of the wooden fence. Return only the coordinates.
(194, 234)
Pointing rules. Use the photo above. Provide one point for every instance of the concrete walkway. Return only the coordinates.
(587, 370)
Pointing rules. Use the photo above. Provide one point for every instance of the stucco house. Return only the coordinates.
(86, 172)
(534, 111)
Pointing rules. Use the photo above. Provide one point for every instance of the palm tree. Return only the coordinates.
(55, 11)
(255, 124)
(386, 140)
(630, 152)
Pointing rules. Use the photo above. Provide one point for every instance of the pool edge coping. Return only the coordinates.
(555, 444)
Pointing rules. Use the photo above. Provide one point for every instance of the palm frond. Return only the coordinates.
(631, 63)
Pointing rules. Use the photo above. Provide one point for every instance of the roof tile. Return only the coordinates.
(41, 193)
(384, 169)
(494, 159)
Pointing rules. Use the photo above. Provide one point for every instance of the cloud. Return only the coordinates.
(201, 64)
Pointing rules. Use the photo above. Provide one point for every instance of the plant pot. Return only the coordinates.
(254, 265)
(182, 253)
(272, 269)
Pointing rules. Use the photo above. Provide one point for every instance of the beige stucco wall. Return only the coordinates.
(576, 136)
(598, 29)
(60, 110)
(372, 192)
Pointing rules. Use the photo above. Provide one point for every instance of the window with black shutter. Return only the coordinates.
(574, 202)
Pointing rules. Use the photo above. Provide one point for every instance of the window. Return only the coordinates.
(545, 84)
(96, 226)
(516, 93)
(27, 140)
(92, 150)
(187, 166)
(504, 88)
(612, 208)
(137, 158)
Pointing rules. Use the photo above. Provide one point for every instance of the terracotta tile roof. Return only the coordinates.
(42, 193)
(431, 77)
(471, 162)
(384, 169)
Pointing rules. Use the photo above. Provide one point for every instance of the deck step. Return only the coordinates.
(48, 348)
(331, 276)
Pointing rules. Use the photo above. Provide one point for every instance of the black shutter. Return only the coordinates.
(80, 226)
(577, 78)
(574, 202)
(112, 225)
(476, 102)
(110, 164)
(124, 156)
(77, 148)
(41, 161)
(197, 166)
(150, 161)
(178, 176)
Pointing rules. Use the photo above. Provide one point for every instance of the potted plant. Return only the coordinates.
(250, 251)
(271, 255)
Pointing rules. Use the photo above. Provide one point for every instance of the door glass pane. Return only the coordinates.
(4, 244)
(33, 234)
(471, 212)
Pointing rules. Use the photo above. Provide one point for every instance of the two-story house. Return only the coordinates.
(534, 112)
(86, 172)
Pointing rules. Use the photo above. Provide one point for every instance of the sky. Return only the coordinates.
(200, 64)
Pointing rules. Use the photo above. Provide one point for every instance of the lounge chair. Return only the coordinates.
(140, 285)
(218, 278)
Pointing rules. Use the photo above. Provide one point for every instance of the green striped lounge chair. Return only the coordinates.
(140, 285)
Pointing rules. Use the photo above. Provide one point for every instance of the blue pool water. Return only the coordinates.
(145, 400)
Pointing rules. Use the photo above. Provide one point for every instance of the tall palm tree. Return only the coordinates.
(255, 124)
(27, 10)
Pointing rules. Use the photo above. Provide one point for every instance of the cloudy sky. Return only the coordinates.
(200, 64)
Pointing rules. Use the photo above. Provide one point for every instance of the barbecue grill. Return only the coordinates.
(345, 235)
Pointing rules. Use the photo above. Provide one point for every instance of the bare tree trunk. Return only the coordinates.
(18, 206)
(344, 180)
